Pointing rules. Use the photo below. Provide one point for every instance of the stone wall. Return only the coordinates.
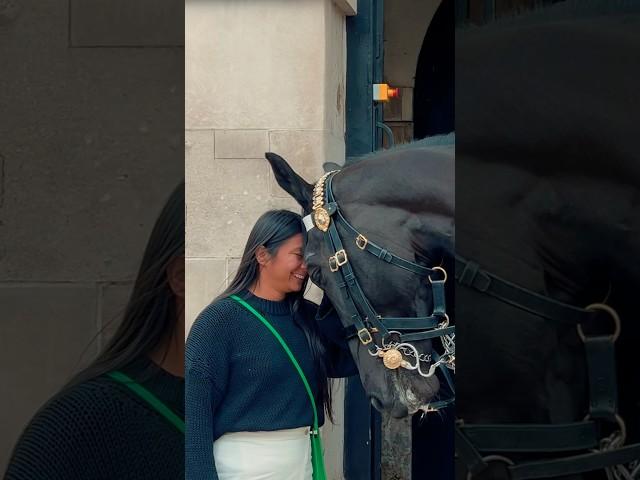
(91, 147)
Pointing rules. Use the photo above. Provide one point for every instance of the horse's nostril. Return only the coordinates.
(377, 404)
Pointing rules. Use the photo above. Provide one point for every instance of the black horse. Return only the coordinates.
(547, 175)
(403, 201)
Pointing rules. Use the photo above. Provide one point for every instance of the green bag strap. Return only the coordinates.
(291, 357)
(148, 397)
(317, 456)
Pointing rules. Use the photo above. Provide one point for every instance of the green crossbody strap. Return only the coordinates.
(316, 444)
(148, 397)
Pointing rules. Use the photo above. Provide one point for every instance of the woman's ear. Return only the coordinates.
(262, 255)
(175, 276)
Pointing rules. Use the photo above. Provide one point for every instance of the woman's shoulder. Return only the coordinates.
(216, 321)
(91, 398)
(219, 313)
(77, 423)
(82, 405)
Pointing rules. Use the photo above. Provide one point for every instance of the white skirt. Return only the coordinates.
(279, 455)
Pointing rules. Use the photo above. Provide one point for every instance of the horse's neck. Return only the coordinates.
(403, 200)
(560, 223)
(556, 235)
(491, 226)
(495, 228)
(414, 179)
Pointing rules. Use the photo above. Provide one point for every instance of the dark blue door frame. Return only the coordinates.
(362, 429)
(364, 68)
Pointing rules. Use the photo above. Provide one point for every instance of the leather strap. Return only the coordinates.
(382, 253)
(471, 275)
(417, 323)
(532, 437)
(601, 367)
(438, 332)
(468, 453)
(576, 464)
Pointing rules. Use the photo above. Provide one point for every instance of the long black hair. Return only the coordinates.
(270, 231)
(150, 317)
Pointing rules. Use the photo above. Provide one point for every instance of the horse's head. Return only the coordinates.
(409, 214)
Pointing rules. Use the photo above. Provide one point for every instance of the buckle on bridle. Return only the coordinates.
(364, 336)
(337, 260)
(444, 274)
(361, 241)
(612, 313)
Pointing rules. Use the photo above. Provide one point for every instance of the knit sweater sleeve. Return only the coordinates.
(204, 387)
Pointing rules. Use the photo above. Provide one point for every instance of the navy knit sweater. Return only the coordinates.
(100, 430)
(238, 377)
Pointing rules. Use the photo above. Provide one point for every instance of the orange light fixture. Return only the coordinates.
(382, 92)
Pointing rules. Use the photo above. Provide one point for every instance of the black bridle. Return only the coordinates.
(364, 322)
(480, 445)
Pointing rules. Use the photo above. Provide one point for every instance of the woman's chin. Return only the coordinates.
(296, 284)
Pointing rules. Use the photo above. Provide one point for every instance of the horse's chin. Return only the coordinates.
(399, 411)
(414, 394)
(400, 392)
(396, 408)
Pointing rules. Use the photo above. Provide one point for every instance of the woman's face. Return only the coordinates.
(286, 271)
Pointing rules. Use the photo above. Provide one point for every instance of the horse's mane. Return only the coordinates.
(448, 139)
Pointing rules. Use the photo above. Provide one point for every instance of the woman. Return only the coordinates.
(123, 416)
(247, 409)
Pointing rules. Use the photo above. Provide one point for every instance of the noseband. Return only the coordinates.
(396, 334)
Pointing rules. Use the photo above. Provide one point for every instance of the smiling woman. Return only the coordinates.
(259, 336)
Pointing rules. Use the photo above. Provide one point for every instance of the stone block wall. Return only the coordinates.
(91, 147)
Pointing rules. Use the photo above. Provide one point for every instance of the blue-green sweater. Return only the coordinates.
(238, 377)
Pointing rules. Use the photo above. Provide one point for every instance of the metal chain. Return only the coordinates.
(630, 471)
(409, 350)
(422, 357)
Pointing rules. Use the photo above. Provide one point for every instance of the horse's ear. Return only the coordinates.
(290, 181)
